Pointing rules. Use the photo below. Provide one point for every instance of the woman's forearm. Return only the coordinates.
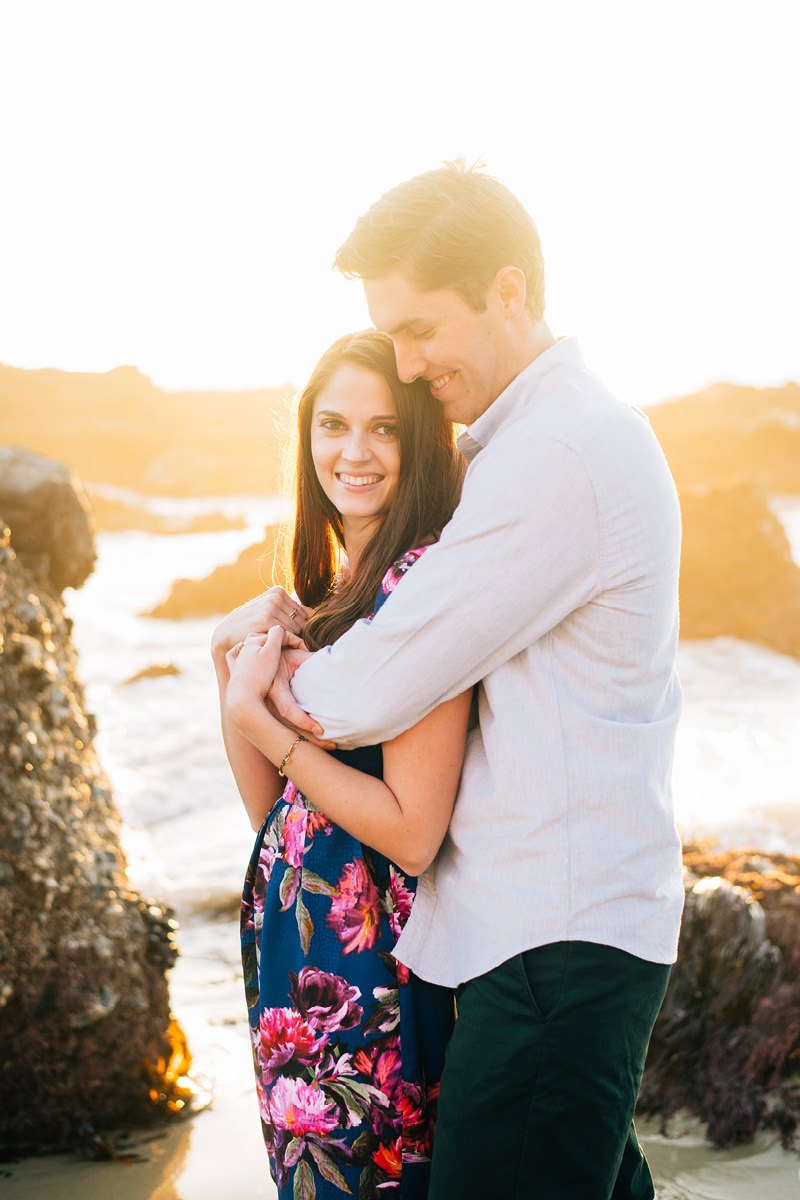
(365, 807)
(256, 778)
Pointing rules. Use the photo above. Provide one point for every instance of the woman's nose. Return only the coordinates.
(356, 446)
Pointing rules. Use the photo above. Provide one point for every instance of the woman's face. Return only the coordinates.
(355, 447)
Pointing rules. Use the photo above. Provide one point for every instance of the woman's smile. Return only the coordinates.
(358, 481)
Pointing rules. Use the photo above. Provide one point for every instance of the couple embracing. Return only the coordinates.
(455, 739)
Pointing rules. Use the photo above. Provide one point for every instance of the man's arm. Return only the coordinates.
(520, 554)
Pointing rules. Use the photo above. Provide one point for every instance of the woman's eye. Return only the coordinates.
(387, 430)
(331, 423)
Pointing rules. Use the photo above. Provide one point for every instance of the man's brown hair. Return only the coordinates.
(453, 227)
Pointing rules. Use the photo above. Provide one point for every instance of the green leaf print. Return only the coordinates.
(305, 925)
(328, 1168)
(366, 1183)
(249, 962)
(315, 883)
(287, 889)
(363, 1146)
(304, 1186)
(357, 1107)
(293, 1151)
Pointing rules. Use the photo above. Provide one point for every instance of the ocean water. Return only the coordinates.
(737, 762)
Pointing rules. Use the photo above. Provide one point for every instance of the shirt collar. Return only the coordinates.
(523, 387)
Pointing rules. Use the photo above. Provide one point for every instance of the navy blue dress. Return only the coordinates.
(348, 1045)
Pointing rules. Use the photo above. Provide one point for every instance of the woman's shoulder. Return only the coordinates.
(396, 572)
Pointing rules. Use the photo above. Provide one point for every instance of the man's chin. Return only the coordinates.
(454, 412)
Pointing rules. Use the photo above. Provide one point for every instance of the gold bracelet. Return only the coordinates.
(287, 758)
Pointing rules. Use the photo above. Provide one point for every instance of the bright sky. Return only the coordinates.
(177, 176)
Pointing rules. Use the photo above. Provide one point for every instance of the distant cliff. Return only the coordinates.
(737, 574)
(119, 428)
(731, 450)
(86, 1038)
(733, 433)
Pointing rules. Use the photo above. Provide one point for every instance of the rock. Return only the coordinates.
(156, 671)
(85, 1034)
(112, 515)
(730, 450)
(729, 432)
(48, 512)
(727, 1039)
(737, 574)
(226, 587)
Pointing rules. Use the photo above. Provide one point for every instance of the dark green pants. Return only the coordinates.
(541, 1078)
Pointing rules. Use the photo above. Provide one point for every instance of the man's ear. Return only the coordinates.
(510, 288)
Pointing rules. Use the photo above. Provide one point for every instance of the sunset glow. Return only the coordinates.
(178, 177)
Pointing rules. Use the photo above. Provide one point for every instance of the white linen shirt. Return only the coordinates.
(556, 586)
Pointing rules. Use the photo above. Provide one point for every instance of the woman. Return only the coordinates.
(348, 1049)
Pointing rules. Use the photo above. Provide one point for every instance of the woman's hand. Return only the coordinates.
(258, 616)
(252, 664)
(255, 666)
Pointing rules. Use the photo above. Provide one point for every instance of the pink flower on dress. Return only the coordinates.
(301, 1107)
(355, 909)
(284, 1036)
(402, 899)
(294, 837)
(398, 569)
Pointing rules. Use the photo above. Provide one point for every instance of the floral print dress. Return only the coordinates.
(348, 1046)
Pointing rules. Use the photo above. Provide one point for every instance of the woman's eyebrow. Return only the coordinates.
(331, 412)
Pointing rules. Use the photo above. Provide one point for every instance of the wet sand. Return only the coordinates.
(219, 1154)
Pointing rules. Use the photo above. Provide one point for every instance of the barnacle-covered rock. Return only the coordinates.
(84, 1005)
(726, 1045)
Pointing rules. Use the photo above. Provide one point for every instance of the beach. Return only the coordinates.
(187, 842)
(219, 1153)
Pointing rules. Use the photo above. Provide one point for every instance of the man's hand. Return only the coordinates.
(280, 700)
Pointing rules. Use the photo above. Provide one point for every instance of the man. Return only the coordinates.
(554, 904)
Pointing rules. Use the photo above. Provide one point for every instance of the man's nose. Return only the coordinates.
(410, 362)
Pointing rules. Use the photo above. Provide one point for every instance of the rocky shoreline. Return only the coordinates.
(726, 1046)
(86, 1035)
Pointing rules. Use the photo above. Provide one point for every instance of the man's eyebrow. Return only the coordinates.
(404, 326)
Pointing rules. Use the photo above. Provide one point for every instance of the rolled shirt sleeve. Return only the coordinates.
(521, 552)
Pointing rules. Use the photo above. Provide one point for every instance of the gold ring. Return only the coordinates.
(293, 614)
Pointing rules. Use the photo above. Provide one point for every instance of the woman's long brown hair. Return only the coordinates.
(427, 492)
